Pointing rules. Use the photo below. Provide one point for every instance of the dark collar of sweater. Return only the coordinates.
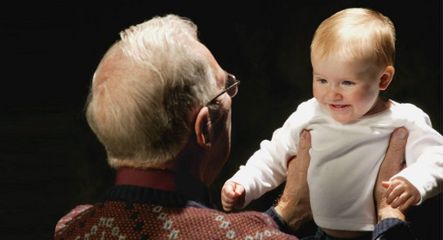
(158, 187)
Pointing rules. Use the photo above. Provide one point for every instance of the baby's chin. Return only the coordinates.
(344, 120)
(342, 116)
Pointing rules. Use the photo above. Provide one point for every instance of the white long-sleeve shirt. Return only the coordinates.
(345, 159)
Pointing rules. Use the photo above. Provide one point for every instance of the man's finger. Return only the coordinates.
(391, 165)
(305, 140)
(294, 205)
(304, 145)
(397, 143)
(395, 155)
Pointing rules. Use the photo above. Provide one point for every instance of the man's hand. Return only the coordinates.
(294, 206)
(392, 164)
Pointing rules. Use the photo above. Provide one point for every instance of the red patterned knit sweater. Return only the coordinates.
(136, 212)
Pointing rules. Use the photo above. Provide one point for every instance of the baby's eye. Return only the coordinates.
(322, 81)
(348, 83)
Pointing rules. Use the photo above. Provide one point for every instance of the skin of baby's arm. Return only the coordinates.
(401, 193)
(232, 195)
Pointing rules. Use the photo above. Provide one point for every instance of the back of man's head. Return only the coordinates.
(145, 89)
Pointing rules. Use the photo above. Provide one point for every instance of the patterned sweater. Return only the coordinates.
(134, 212)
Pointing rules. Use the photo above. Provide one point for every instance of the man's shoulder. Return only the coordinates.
(64, 223)
(74, 213)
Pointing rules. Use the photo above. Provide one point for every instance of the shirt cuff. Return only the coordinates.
(392, 228)
(282, 225)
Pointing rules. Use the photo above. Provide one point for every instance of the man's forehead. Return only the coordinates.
(219, 73)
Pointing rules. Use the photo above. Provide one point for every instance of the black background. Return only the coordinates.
(49, 159)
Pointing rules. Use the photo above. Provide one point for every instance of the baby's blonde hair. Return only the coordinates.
(356, 34)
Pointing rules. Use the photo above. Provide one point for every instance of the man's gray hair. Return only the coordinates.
(145, 89)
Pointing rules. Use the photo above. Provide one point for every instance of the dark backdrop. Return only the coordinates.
(49, 159)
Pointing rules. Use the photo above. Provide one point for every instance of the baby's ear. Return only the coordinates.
(386, 78)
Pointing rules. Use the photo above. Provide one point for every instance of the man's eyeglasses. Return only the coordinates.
(231, 88)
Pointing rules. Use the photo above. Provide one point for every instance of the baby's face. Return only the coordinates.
(346, 90)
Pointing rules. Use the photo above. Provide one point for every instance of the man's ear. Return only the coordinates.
(386, 78)
(202, 128)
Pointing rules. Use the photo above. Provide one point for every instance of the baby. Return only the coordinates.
(352, 56)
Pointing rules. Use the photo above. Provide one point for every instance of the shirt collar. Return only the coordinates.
(165, 180)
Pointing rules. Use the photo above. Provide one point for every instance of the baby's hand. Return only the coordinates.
(232, 195)
(401, 193)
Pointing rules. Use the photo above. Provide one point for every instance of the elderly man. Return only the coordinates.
(161, 106)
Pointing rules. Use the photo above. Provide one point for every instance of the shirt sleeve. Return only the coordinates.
(391, 229)
(266, 168)
(282, 225)
(424, 156)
